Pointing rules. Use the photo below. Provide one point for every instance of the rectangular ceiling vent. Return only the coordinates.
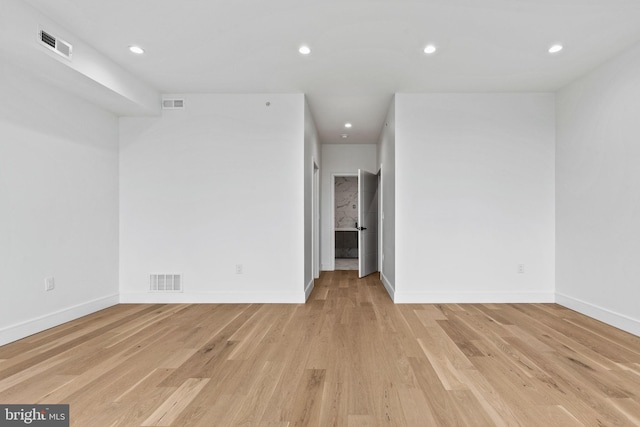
(165, 283)
(55, 44)
(173, 104)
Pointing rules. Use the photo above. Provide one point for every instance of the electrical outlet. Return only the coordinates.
(520, 268)
(238, 268)
(49, 284)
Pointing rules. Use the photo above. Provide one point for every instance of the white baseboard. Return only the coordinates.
(475, 298)
(620, 321)
(329, 266)
(42, 323)
(308, 289)
(391, 290)
(212, 298)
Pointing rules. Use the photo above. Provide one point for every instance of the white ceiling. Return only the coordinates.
(363, 51)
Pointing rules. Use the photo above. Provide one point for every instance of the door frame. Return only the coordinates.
(315, 221)
(333, 213)
(380, 221)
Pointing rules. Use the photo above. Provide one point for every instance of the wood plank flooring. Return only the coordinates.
(349, 357)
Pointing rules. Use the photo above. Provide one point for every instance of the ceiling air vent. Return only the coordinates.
(173, 104)
(57, 45)
(165, 282)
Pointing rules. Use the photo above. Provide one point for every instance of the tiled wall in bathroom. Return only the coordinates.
(346, 201)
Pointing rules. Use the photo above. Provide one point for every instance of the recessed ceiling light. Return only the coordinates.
(305, 50)
(344, 135)
(348, 125)
(555, 48)
(429, 49)
(136, 49)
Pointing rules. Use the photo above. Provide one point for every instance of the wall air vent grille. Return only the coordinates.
(48, 39)
(165, 283)
(173, 104)
(55, 44)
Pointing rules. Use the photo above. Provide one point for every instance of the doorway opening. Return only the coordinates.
(355, 222)
(345, 202)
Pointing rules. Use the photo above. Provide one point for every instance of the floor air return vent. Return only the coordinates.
(165, 283)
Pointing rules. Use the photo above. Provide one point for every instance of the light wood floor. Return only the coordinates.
(349, 357)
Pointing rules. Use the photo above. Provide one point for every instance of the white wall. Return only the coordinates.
(339, 159)
(387, 166)
(598, 193)
(217, 184)
(311, 200)
(474, 197)
(58, 206)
